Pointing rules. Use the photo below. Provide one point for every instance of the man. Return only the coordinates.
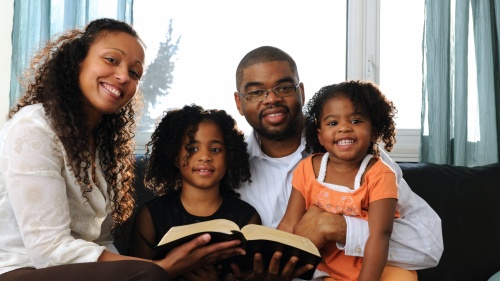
(276, 146)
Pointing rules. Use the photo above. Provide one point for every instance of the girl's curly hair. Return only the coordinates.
(52, 79)
(365, 96)
(161, 172)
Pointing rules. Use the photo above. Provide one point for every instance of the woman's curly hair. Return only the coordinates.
(365, 96)
(162, 174)
(52, 79)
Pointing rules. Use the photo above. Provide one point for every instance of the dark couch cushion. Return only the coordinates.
(466, 200)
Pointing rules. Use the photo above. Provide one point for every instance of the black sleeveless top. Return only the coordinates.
(167, 211)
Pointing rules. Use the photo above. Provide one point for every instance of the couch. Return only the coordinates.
(464, 197)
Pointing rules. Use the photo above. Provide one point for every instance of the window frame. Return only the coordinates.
(362, 62)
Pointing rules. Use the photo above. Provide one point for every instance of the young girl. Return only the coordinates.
(344, 174)
(67, 164)
(198, 159)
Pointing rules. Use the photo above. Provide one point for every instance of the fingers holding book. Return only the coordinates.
(276, 254)
(277, 269)
(196, 253)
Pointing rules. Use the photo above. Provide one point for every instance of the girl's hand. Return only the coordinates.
(195, 254)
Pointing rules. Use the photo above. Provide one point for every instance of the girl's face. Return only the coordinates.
(206, 165)
(110, 73)
(345, 133)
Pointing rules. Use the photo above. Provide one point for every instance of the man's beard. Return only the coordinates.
(279, 134)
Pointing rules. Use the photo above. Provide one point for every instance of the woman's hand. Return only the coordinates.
(196, 254)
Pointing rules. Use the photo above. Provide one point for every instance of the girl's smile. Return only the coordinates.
(344, 131)
(202, 162)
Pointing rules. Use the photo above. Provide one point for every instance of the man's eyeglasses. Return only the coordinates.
(283, 90)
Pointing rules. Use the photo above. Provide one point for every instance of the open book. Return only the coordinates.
(255, 239)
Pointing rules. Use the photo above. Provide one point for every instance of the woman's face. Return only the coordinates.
(110, 73)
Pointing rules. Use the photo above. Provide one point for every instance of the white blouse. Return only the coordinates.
(44, 218)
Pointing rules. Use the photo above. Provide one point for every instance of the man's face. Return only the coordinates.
(275, 118)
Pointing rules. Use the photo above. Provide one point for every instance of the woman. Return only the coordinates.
(67, 167)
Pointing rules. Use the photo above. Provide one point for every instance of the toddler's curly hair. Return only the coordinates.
(365, 96)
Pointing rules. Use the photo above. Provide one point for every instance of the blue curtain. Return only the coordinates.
(35, 21)
(461, 82)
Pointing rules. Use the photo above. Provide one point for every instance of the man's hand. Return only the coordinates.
(321, 227)
(273, 272)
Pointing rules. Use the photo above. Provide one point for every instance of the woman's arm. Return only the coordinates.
(46, 203)
(380, 220)
(189, 256)
(39, 186)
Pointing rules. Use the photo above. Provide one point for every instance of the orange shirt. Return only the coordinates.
(379, 183)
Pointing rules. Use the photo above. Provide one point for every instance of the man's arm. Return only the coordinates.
(416, 241)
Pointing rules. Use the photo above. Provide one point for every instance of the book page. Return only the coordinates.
(259, 232)
(218, 225)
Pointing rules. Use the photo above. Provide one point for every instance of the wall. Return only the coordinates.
(6, 20)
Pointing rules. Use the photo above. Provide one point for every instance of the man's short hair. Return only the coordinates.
(263, 54)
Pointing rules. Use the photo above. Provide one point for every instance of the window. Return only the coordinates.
(330, 41)
(401, 32)
(214, 36)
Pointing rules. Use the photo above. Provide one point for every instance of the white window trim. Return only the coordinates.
(363, 63)
(363, 40)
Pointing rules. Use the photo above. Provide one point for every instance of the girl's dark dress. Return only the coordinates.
(167, 211)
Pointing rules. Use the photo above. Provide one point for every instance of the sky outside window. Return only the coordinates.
(215, 35)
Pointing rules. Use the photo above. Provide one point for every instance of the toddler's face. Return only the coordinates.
(346, 133)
